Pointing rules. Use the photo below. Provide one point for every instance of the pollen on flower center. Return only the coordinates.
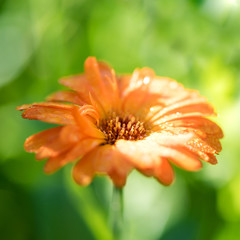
(127, 127)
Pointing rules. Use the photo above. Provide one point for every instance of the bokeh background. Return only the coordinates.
(196, 42)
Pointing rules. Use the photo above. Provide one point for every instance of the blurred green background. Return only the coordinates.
(197, 42)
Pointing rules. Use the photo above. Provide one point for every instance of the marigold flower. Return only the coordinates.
(113, 124)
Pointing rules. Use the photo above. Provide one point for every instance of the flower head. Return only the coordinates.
(111, 125)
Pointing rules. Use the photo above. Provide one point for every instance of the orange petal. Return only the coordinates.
(34, 142)
(212, 159)
(98, 160)
(78, 150)
(78, 83)
(162, 171)
(142, 154)
(50, 112)
(177, 116)
(171, 91)
(198, 104)
(203, 150)
(171, 138)
(213, 142)
(52, 142)
(103, 82)
(105, 160)
(200, 145)
(181, 157)
(66, 96)
(118, 179)
(145, 155)
(23, 107)
(71, 134)
(203, 124)
(51, 149)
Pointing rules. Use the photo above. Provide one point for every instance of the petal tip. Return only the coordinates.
(82, 180)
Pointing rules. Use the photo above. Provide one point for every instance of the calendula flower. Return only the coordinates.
(111, 125)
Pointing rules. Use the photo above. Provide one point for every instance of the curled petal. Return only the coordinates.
(87, 127)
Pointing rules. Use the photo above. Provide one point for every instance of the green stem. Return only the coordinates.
(116, 214)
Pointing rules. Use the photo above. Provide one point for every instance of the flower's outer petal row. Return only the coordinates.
(77, 150)
(180, 132)
(98, 86)
(66, 96)
(104, 159)
(145, 155)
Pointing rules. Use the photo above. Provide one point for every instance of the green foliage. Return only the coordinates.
(193, 41)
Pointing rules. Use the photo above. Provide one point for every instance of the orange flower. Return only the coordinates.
(112, 125)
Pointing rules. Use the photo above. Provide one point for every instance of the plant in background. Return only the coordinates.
(113, 124)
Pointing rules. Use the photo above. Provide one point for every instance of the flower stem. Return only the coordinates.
(116, 212)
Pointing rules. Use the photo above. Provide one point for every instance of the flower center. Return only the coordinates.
(127, 127)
